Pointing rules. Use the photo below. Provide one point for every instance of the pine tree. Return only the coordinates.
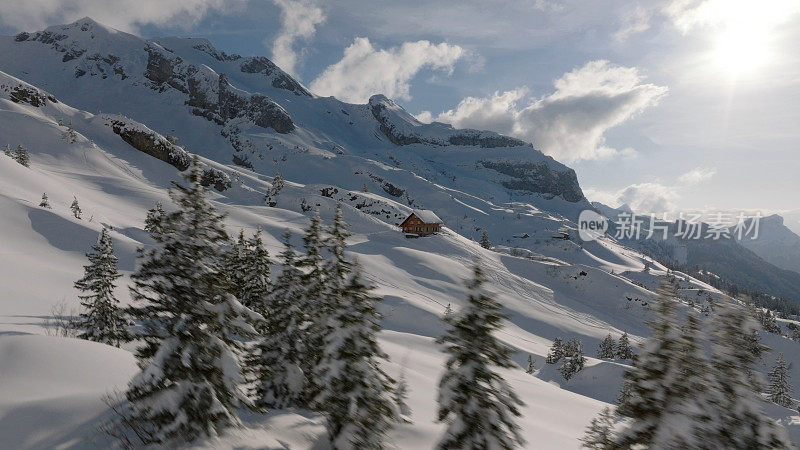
(530, 368)
(356, 396)
(102, 320)
(485, 243)
(573, 360)
(235, 266)
(280, 352)
(154, 221)
(658, 383)
(256, 283)
(316, 280)
(277, 186)
(45, 203)
(624, 350)
(69, 135)
(7, 151)
(22, 156)
(556, 352)
(606, 349)
(75, 208)
(400, 397)
(600, 432)
(779, 383)
(478, 406)
(448, 313)
(625, 393)
(740, 422)
(189, 384)
(796, 335)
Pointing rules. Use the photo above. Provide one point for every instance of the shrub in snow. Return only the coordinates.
(102, 320)
(189, 385)
(477, 405)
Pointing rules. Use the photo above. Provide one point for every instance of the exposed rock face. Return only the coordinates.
(538, 178)
(20, 93)
(156, 145)
(482, 139)
(211, 95)
(403, 129)
(280, 79)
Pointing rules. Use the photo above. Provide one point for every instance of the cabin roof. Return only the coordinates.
(427, 216)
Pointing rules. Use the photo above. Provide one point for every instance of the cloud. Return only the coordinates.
(642, 198)
(364, 70)
(299, 20)
(652, 197)
(121, 14)
(570, 123)
(696, 176)
(637, 20)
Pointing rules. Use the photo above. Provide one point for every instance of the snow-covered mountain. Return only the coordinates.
(139, 108)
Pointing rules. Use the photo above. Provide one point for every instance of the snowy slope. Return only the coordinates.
(555, 289)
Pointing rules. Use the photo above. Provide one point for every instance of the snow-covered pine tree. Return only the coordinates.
(236, 265)
(573, 360)
(652, 381)
(70, 135)
(556, 352)
(154, 221)
(189, 385)
(600, 432)
(22, 156)
(485, 243)
(740, 422)
(448, 313)
(355, 396)
(400, 397)
(280, 352)
(606, 349)
(102, 320)
(530, 367)
(624, 350)
(277, 186)
(7, 151)
(779, 383)
(477, 405)
(796, 335)
(45, 203)
(75, 208)
(256, 281)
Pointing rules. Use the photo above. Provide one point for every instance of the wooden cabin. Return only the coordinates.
(421, 222)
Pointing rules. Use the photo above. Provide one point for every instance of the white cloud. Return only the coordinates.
(652, 197)
(636, 20)
(364, 70)
(697, 175)
(299, 20)
(121, 14)
(570, 123)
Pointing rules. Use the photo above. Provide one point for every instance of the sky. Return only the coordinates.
(666, 105)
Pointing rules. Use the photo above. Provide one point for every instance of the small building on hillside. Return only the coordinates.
(421, 222)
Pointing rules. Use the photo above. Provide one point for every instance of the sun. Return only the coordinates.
(744, 32)
(739, 51)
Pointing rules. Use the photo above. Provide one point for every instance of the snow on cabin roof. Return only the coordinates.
(427, 216)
